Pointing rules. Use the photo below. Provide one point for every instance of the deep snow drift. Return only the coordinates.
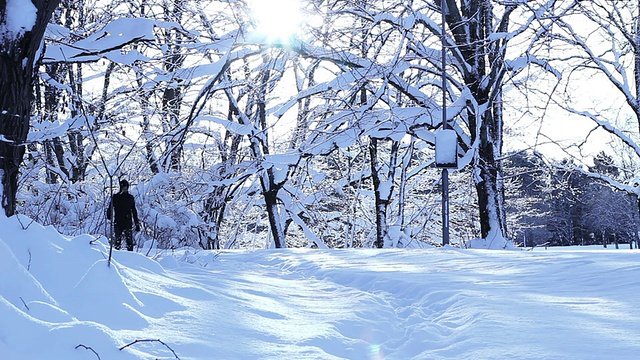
(60, 300)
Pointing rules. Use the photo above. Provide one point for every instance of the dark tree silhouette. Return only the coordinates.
(18, 51)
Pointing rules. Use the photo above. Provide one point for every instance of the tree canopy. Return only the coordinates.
(322, 137)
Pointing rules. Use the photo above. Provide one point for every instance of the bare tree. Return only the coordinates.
(477, 35)
(601, 43)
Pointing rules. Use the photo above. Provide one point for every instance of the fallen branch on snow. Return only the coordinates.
(88, 348)
(151, 340)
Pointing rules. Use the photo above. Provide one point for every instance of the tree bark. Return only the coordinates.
(471, 25)
(270, 181)
(216, 203)
(382, 232)
(489, 180)
(382, 188)
(172, 95)
(17, 58)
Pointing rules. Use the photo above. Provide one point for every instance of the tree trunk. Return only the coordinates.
(471, 25)
(171, 100)
(216, 203)
(147, 134)
(489, 182)
(275, 222)
(270, 180)
(382, 229)
(50, 175)
(215, 208)
(404, 169)
(636, 72)
(172, 94)
(76, 138)
(17, 58)
(636, 69)
(270, 188)
(382, 188)
(15, 101)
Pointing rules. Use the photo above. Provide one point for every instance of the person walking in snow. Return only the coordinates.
(123, 209)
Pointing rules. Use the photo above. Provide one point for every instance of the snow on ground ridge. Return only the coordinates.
(57, 293)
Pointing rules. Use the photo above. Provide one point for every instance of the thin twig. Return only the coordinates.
(151, 340)
(89, 348)
(24, 227)
(25, 304)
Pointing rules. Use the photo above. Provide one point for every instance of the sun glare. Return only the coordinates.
(277, 20)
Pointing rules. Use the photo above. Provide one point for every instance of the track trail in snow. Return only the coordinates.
(57, 293)
(369, 304)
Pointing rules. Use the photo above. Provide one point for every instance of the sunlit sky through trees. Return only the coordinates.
(277, 20)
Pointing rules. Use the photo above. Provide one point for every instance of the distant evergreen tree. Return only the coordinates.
(584, 210)
(610, 214)
(565, 218)
(527, 209)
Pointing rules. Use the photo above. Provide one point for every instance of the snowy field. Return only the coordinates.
(59, 300)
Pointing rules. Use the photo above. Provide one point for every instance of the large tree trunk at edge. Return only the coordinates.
(17, 58)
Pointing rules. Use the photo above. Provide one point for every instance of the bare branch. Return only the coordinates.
(151, 340)
(88, 348)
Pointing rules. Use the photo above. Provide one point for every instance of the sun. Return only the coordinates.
(278, 21)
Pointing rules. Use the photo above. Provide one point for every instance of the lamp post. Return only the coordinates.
(446, 139)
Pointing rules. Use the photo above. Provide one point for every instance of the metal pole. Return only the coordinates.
(445, 173)
(445, 207)
(113, 219)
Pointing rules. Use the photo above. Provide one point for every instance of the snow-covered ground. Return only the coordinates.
(60, 300)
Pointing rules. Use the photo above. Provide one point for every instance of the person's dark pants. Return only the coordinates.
(123, 234)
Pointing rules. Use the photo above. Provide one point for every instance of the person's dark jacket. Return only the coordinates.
(124, 209)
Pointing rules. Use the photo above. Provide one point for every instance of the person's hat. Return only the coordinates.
(124, 183)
